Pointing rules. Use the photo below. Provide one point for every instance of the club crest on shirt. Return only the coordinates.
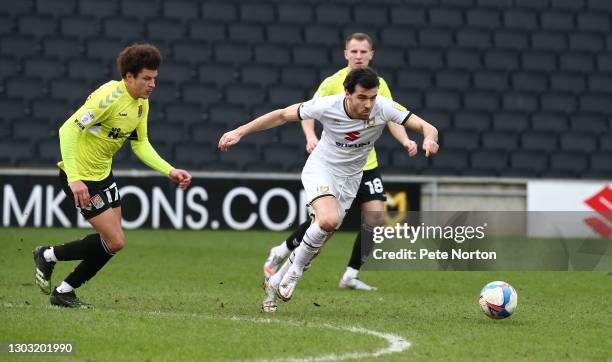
(323, 189)
(369, 122)
(139, 111)
(85, 119)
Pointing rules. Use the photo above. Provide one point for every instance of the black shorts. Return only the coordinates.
(371, 187)
(102, 195)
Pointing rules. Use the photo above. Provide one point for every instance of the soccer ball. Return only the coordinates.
(498, 300)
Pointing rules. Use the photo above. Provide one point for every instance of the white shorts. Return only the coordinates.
(318, 182)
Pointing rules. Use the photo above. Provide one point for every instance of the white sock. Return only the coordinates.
(313, 241)
(49, 255)
(278, 276)
(350, 273)
(64, 288)
(282, 251)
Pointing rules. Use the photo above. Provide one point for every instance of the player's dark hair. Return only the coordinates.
(137, 57)
(365, 77)
(359, 37)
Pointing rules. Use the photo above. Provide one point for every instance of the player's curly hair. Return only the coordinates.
(137, 57)
(365, 77)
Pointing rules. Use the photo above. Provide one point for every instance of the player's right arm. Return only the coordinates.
(267, 121)
(328, 87)
(95, 109)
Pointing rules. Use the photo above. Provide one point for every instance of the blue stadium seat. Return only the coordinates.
(79, 26)
(220, 11)
(333, 14)
(244, 94)
(216, 73)
(142, 9)
(123, 28)
(18, 45)
(257, 12)
(310, 55)
(248, 33)
(100, 9)
(206, 30)
(36, 25)
(299, 76)
(166, 30)
(539, 141)
(233, 53)
(286, 95)
(272, 54)
(295, 13)
(452, 79)
(259, 74)
(198, 92)
(180, 9)
(500, 140)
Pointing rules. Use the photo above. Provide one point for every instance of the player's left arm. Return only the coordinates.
(429, 132)
(267, 121)
(146, 153)
(397, 131)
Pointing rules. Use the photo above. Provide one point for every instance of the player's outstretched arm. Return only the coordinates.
(399, 133)
(308, 126)
(429, 132)
(267, 121)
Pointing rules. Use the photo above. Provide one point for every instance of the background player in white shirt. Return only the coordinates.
(351, 124)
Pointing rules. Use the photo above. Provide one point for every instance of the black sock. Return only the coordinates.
(79, 249)
(96, 256)
(361, 250)
(298, 234)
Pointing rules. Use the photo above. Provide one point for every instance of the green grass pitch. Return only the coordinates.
(186, 295)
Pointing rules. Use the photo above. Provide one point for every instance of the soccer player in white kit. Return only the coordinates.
(352, 122)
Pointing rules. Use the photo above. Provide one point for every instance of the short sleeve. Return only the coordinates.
(393, 111)
(313, 109)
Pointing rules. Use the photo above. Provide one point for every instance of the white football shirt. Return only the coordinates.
(346, 142)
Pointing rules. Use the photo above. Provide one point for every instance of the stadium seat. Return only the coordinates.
(569, 163)
(528, 163)
(286, 95)
(578, 141)
(165, 91)
(261, 139)
(605, 141)
(71, 90)
(539, 141)
(529, 81)
(549, 122)
(25, 88)
(141, 9)
(548, 41)
(567, 5)
(457, 59)
(299, 76)
(56, 111)
(440, 119)
(539, 61)
(483, 18)
(257, 12)
(520, 101)
(587, 41)
(411, 99)
(558, 102)
(452, 80)
(408, 15)
(403, 164)
(36, 25)
(103, 48)
(310, 55)
(447, 17)
(596, 103)
(216, 73)
(43, 68)
(460, 139)
(510, 121)
(228, 116)
(474, 39)
(399, 36)
(511, 39)
(79, 26)
(532, 4)
(272, 54)
(500, 140)
(198, 92)
(490, 80)
(415, 78)
(481, 101)
(370, 15)
(295, 13)
(426, 58)
(123, 28)
(292, 134)
(206, 30)
(286, 156)
(16, 151)
(449, 162)
(244, 94)
(592, 123)
(195, 155)
(593, 21)
(443, 100)
(285, 34)
(389, 57)
(7, 24)
(241, 155)
(351, 28)
(180, 9)
(334, 14)
(599, 83)
(326, 35)
(88, 69)
(185, 113)
(19, 7)
(233, 53)
(518, 19)
(258, 74)
(471, 121)
(165, 29)
(167, 133)
(18, 45)
(100, 9)
(570, 82)
(220, 11)
(574, 61)
(178, 72)
(248, 33)
(501, 60)
(601, 163)
(207, 133)
(489, 162)
(32, 130)
(558, 21)
(12, 108)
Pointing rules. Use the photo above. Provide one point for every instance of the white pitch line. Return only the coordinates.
(396, 344)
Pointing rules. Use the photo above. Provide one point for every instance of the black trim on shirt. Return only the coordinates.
(133, 136)
(346, 110)
(298, 112)
(406, 119)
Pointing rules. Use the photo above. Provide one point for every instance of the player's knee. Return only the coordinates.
(117, 242)
(374, 218)
(329, 223)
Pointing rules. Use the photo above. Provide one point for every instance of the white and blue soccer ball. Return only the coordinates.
(498, 300)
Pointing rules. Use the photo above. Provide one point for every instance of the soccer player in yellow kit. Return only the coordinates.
(112, 114)
(371, 196)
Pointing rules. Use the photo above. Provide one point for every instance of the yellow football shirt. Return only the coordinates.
(335, 85)
(96, 131)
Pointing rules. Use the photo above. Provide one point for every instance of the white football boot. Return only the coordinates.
(288, 284)
(269, 304)
(356, 284)
(271, 265)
